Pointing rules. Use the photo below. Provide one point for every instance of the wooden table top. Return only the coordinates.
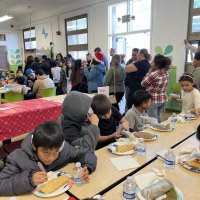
(30, 196)
(106, 174)
(188, 182)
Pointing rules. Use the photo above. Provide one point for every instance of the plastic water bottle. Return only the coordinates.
(77, 174)
(129, 189)
(188, 116)
(141, 148)
(170, 159)
(174, 120)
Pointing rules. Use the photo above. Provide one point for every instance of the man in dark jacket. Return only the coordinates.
(45, 145)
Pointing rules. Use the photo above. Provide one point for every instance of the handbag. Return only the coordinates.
(112, 97)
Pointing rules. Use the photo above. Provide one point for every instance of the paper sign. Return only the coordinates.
(104, 90)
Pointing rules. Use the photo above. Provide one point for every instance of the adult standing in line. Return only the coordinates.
(105, 59)
(196, 71)
(135, 73)
(131, 60)
(192, 48)
(115, 79)
(155, 83)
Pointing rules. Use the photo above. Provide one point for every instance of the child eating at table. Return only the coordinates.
(46, 146)
(109, 117)
(80, 127)
(137, 115)
(19, 87)
(190, 96)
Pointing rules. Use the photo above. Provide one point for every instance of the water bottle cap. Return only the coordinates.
(141, 139)
(78, 164)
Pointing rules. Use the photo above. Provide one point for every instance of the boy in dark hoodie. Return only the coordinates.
(46, 145)
(79, 126)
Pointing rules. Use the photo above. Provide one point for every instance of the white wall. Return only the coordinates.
(12, 42)
(169, 26)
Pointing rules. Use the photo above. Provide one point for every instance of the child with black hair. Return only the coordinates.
(20, 73)
(137, 115)
(109, 117)
(45, 145)
(19, 87)
(11, 77)
(190, 96)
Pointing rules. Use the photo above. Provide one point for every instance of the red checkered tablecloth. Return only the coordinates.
(22, 117)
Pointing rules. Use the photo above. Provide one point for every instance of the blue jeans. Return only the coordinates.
(155, 110)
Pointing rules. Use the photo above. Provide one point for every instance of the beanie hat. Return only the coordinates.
(29, 71)
(98, 56)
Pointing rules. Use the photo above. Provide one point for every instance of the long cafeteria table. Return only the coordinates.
(60, 98)
(107, 176)
(188, 182)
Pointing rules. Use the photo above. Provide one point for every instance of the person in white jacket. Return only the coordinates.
(192, 48)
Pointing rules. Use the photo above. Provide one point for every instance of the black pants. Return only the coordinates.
(119, 96)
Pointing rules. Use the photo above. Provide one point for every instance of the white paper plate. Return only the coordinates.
(112, 148)
(161, 130)
(59, 191)
(178, 191)
(183, 162)
(155, 137)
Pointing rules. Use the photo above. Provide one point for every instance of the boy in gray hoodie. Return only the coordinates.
(80, 127)
(46, 145)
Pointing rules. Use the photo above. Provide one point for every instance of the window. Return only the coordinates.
(123, 34)
(194, 27)
(2, 37)
(77, 36)
(29, 38)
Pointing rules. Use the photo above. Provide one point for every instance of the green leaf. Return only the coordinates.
(12, 51)
(12, 56)
(158, 50)
(168, 49)
(17, 61)
(16, 51)
(12, 62)
(17, 56)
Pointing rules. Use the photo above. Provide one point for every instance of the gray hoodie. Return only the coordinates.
(77, 131)
(15, 178)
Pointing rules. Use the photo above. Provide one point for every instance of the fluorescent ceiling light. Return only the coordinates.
(5, 17)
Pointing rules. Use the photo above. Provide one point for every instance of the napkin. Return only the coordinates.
(124, 162)
(145, 180)
(187, 150)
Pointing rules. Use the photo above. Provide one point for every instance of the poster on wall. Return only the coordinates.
(43, 35)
